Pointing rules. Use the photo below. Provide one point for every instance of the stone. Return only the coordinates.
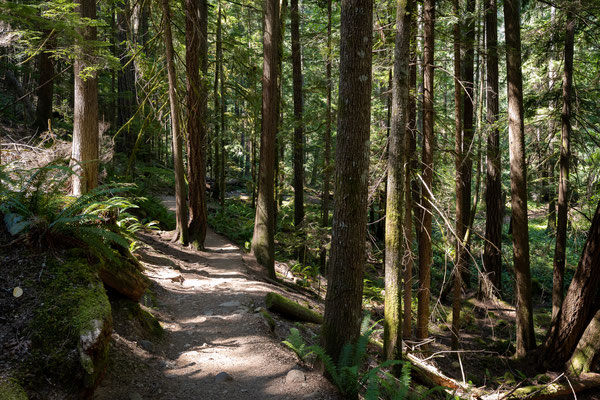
(135, 396)
(295, 376)
(223, 377)
(230, 304)
(146, 345)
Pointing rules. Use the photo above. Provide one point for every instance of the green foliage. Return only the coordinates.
(38, 211)
(236, 221)
(349, 375)
(295, 342)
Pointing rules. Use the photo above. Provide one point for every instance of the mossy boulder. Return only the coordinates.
(10, 389)
(71, 329)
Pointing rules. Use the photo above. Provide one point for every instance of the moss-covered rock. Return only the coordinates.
(71, 328)
(10, 389)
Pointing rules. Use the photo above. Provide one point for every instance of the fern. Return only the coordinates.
(295, 342)
(97, 220)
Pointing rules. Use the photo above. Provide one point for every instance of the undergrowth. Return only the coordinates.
(351, 376)
(36, 209)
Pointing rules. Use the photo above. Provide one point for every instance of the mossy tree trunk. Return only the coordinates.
(425, 255)
(459, 261)
(263, 239)
(581, 302)
(343, 303)
(394, 227)
(587, 348)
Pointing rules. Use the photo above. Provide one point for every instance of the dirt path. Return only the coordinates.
(217, 346)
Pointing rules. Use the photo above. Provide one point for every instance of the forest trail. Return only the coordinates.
(216, 345)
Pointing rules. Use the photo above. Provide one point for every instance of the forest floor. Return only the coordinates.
(217, 344)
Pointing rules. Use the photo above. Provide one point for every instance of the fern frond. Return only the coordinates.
(327, 362)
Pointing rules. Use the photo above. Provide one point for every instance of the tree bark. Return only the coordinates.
(222, 111)
(45, 90)
(560, 248)
(345, 280)
(85, 150)
(181, 212)
(263, 239)
(468, 144)
(394, 219)
(327, 140)
(518, 179)
(298, 149)
(492, 257)
(425, 255)
(459, 262)
(587, 348)
(410, 187)
(125, 79)
(197, 94)
(581, 302)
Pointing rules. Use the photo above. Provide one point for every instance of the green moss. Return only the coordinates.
(10, 389)
(509, 378)
(147, 321)
(74, 311)
(268, 319)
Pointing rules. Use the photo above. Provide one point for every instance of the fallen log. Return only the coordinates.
(432, 377)
(290, 309)
(554, 390)
(123, 275)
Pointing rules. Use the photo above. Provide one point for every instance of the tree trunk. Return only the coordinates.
(327, 140)
(45, 90)
(518, 179)
(587, 349)
(468, 144)
(459, 262)
(181, 212)
(216, 194)
(223, 110)
(551, 126)
(425, 255)
(197, 93)
(345, 280)
(263, 239)
(492, 257)
(125, 79)
(85, 150)
(581, 302)
(409, 183)
(298, 110)
(394, 229)
(560, 248)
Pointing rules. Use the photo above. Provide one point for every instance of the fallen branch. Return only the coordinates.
(552, 390)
